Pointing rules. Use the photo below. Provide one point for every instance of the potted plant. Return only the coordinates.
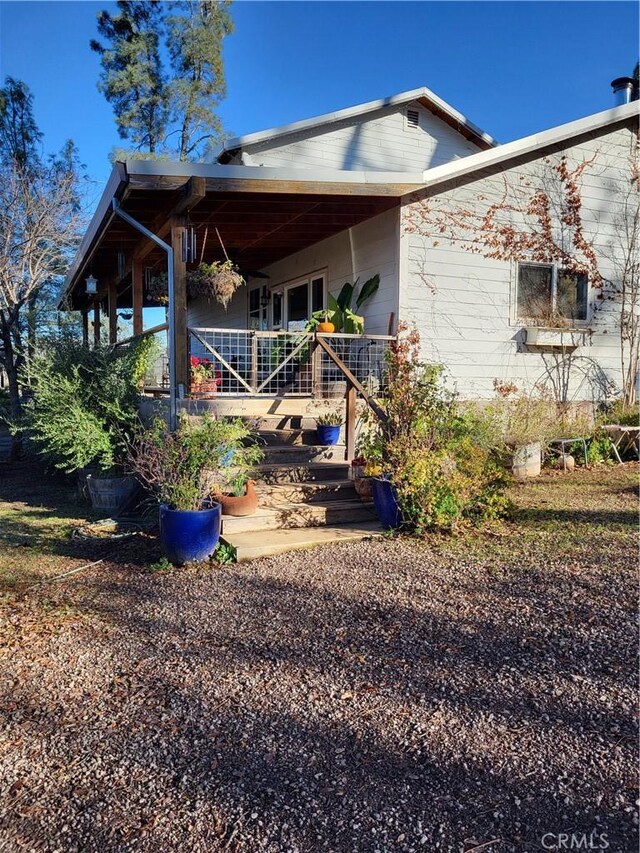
(362, 475)
(218, 280)
(527, 423)
(321, 321)
(205, 379)
(328, 427)
(437, 461)
(185, 470)
(83, 411)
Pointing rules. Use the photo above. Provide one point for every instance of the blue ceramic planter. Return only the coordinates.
(328, 433)
(189, 535)
(385, 501)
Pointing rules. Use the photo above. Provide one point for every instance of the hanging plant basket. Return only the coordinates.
(217, 281)
(158, 289)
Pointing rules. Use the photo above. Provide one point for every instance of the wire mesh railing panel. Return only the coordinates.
(220, 361)
(239, 361)
(247, 362)
(365, 359)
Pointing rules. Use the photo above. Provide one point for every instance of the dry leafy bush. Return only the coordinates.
(442, 461)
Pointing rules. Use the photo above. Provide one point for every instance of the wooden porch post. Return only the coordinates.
(137, 283)
(85, 327)
(112, 301)
(350, 427)
(180, 305)
(96, 322)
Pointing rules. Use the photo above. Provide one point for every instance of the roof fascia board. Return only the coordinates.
(353, 112)
(264, 174)
(115, 187)
(527, 145)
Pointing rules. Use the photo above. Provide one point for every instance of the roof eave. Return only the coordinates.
(115, 188)
(528, 145)
(421, 94)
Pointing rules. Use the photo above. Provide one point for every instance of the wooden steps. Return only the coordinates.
(296, 515)
(253, 544)
(306, 496)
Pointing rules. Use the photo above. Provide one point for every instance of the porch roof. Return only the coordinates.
(262, 215)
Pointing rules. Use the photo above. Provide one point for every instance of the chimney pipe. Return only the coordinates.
(622, 87)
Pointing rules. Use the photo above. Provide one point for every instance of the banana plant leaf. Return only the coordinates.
(346, 294)
(353, 324)
(368, 289)
(338, 316)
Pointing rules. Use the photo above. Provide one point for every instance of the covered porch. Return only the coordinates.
(157, 218)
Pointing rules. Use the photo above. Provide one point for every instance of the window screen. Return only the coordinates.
(535, 291)
(572, 295)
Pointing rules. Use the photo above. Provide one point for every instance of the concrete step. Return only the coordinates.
(275, 494)
(251, 545)
(285, 454)
(296, 515)
(302, 472)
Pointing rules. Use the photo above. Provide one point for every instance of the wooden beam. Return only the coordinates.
(112, 303)
(192, 194)
(137, 295)
(350, 426)
(96, 322)
(85, 327)
(180, 304)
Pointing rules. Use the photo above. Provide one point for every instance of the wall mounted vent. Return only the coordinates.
(413, 119)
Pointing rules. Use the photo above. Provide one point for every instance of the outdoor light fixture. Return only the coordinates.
(264, 300)
(91, 284)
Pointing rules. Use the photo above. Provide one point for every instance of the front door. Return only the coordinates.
(293, 304)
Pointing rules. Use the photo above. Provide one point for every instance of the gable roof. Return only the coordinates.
(423, 96)
(530, 145)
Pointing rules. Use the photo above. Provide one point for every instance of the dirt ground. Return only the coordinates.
(458, 694)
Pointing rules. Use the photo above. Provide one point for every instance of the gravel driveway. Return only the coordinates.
(380, 696)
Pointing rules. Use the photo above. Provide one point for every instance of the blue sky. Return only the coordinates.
(512, 67)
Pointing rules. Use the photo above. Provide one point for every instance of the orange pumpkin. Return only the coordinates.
(326, 328)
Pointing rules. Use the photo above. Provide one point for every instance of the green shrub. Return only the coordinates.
(197, 461)
(444, 463)
(619, 413)
(83, 410)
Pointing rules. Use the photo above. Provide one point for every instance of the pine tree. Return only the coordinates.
(132, 78)
(174, 115)
(198, 84)
(19, 134)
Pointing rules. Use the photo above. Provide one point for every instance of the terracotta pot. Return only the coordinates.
(240, 505)
(364, 488)
(326, 328)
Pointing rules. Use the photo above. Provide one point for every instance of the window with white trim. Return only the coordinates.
(550, 295)
(295, 302)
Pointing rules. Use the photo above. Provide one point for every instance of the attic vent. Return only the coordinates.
(413, 118)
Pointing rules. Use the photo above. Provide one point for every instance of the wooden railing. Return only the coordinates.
(242, 362)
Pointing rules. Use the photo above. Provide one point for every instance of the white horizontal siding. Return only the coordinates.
(378, 142)
(362, 251)
(462, 303)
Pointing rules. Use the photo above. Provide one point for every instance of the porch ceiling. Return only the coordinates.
(257, 228)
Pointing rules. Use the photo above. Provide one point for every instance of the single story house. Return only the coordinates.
(377, 189)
